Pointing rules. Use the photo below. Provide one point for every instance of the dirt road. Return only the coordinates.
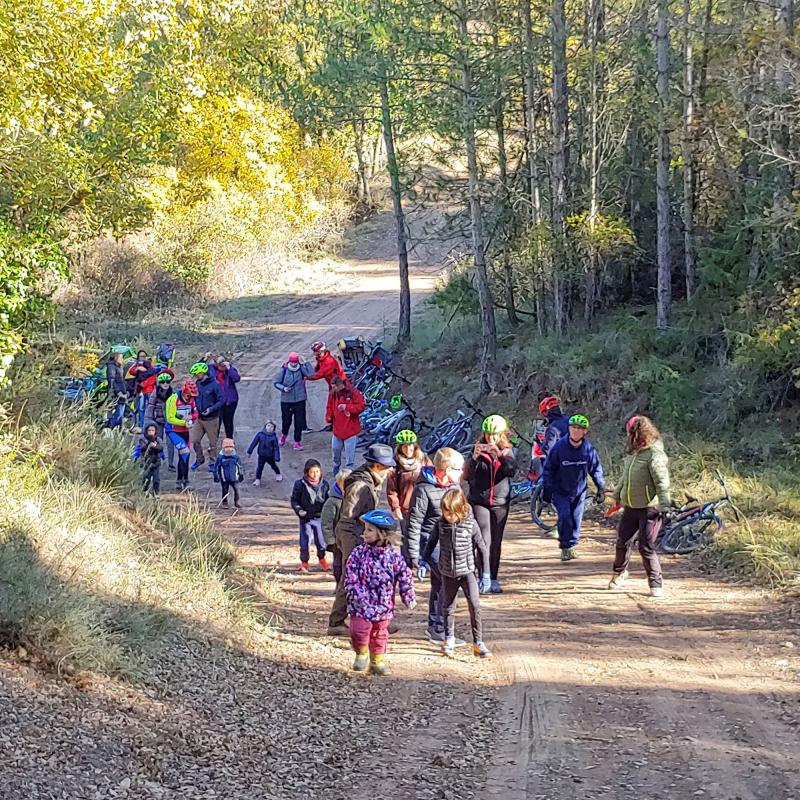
(591, 694)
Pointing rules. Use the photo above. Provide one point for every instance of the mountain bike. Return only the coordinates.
(694, 526)
(455, 432)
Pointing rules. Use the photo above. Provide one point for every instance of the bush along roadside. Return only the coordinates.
(94, 575)
(709, 415)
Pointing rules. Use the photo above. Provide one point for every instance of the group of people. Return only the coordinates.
(450, 510)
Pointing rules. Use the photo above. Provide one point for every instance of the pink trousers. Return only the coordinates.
(374, 635)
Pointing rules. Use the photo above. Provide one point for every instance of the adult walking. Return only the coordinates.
(227, 376)
(291, 383)
(345, 404)
(181, 414)
(488, 473)
(644, 494)
(156, 410)
(117, 389)
(209, 403)
(360, 496)
(570, 463)
(403, 477)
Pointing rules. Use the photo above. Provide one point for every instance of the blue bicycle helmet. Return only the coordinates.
(380, 519)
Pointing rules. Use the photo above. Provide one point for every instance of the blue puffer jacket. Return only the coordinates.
(295, 381)
(228, 468)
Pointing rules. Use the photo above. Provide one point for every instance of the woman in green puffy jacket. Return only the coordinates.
(643, 493)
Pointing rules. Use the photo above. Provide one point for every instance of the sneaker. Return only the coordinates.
(338, 630)
(308, 430)
(438, 635)
(573, 553)
(279, 477)
(224, 503)
(480, 650)
(197, 464)
(656, 591)
(618, 579)
(172, 468)
(304, 566)
(449, 648)
(282, 440)
(362, 660)
(257, 482)
(323, 562)
(496, 588)
(377, 666)
(565, 554)
(298, 446)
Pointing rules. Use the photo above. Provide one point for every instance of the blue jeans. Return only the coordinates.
(570, 517)
(117, 415)
(311, 531)
(141, 407)
(349, 447)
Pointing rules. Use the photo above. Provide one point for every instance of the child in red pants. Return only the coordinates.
(372, 572)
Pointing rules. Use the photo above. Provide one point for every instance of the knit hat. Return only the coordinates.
(294, 358)
(228, 443)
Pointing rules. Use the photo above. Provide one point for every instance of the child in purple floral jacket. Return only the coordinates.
(371, 574)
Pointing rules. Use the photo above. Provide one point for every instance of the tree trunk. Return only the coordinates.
(597, 86)
(488, 325)
(364, 190)
(664, 288)
(560, 159)
(404, 326)
(687, 143)
(502, 166)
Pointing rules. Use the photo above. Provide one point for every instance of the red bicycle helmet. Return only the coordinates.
(318, 347)
(548, 404)
(189, 389)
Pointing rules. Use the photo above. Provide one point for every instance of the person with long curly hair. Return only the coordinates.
(644, 494)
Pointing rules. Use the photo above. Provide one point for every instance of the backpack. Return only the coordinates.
(165, 354)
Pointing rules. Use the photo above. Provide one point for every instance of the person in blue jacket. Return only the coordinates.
(269, 452)
(570, 462)
(228, 472)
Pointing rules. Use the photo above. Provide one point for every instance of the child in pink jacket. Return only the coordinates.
(372, 572)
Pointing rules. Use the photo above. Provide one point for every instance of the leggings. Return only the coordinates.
(492, 522)
(646, 523)
(226, 488)
(262, 461)
(469, 585)
(180, 439)
(227, 413)
(293, 412)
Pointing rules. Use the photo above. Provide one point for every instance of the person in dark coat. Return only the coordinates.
(265, 443)
(227, 376)
(489, 473)
(228, 472)
(117, 390)
(308, 496)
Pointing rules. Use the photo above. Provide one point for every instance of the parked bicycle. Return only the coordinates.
(695, 524)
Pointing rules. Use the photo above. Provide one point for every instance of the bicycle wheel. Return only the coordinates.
(433, 441)
(404, 420)
(690, 534)
(460, 439)
(542, 514)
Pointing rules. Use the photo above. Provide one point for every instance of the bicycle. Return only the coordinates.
(690, 528)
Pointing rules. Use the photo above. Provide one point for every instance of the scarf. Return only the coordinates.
(406, 464)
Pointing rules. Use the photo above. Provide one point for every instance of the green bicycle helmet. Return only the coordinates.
(199, 368)
(396, 401)
(164, 377)
(579, 420)
(494, 424)
(406, 437)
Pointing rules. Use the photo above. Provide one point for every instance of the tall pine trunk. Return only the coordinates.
(488, 324)
(664, 285)
(404, 326)
(559, 160)
(687, 146)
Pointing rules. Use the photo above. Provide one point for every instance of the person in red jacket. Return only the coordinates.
(345, 403)
(328, 366)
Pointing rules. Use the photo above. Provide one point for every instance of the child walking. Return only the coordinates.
(372, 572)
(268, 451)
(308, 496)
(329, 518)
(150, 452)
(228, 472)
(458, 536)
